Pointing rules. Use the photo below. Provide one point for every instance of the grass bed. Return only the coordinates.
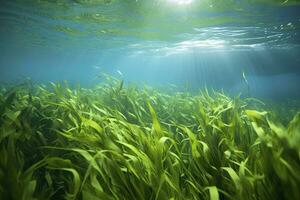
(116, 142)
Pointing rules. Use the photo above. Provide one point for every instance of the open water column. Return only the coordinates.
(149, 99)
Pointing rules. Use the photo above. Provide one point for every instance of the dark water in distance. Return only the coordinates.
(187, 43)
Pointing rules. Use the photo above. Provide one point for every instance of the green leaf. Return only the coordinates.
(92, 123)
(156, 124)
(234, 177)
(213, 192)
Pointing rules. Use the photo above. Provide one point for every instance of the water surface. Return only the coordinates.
(194, 43)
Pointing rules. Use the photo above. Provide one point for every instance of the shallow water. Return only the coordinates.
(149, 99)
(193, 43)
(247, 48)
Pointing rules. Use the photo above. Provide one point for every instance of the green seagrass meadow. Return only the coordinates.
(117, 142)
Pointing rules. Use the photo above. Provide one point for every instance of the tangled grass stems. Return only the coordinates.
(116, 142)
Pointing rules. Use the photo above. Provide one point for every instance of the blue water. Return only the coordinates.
(190, 44)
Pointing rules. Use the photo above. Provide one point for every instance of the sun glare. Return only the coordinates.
(181, 2)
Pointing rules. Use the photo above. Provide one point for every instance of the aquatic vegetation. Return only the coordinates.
(121, 142)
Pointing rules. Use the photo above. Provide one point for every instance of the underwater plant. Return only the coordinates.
(121, 142)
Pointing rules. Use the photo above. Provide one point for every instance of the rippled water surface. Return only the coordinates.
(173, 41)
(160, 25)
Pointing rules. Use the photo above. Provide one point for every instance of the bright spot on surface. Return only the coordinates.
(190, 45)
(202, 43)
(181, 2)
